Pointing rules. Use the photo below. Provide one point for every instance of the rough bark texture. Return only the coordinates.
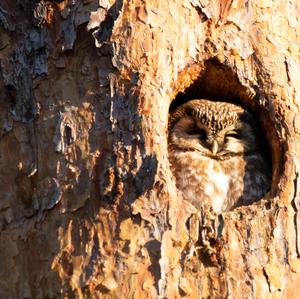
(88, 204)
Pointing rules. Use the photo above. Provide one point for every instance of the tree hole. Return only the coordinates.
(218, 83)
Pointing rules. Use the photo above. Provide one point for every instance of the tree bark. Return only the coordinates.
(88, 204)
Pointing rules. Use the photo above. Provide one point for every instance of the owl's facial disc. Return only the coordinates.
(212, 142)
(190, 134)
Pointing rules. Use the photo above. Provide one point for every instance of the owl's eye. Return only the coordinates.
(197, 131)
(233, 134)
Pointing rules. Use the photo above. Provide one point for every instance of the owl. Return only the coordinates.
(216, 155)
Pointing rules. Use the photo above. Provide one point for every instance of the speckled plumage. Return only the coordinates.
(215, 155)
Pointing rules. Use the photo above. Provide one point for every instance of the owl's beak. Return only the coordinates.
(214, 147)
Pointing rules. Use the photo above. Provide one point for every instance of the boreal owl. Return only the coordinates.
(216, 155)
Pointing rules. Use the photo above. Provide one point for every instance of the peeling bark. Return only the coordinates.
(88, 204)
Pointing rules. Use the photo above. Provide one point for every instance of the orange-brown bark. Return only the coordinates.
(88, 204)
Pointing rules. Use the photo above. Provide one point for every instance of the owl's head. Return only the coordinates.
(218, 130)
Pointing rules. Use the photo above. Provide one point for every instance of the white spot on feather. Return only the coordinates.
(220, 182)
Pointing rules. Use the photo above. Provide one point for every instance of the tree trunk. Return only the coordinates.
(88, 203)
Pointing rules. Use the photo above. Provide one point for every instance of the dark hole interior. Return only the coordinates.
(216, 82)
(68, 135)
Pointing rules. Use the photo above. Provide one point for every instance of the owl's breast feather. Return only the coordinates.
(202, 180)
